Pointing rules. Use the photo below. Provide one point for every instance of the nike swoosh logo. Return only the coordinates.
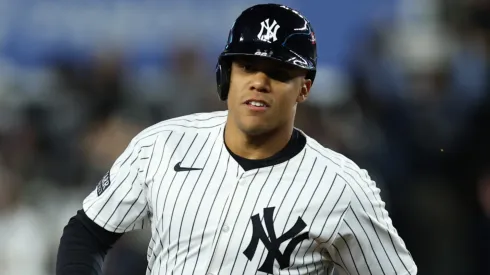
(179, 168)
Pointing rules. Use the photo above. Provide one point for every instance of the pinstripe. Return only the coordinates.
(127, 212)
(159, 256)
(318, 210)
(165, 200)
(268, 203)
(119, 203)
(152, 180)
(220, 219)
(359, 246)
(325, 268)
(117, 187)
(369, 240)
(150, 248)
(145, 208)
(165, 173)
(282, 201)
(177, 128)
(330, 260)
(326, 219)
(299, 195)
(386, 221)
(248, 223)
(161, 158)
(297, 198)
(189, 119)
(372, 206)
(368, 185)
(306, 208)
(219, 235)
(192, 191)
(343, 263)
(320, 153)
(188, 219)
(365, 194)
(196, 119)
(350, 252)
(200, 202)
(341, 219)
(209, 214)
(134, 146)
(241, 207)
(122, 161)
(159, 189)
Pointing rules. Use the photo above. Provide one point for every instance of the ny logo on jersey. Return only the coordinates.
(270, 31)
(272, 243)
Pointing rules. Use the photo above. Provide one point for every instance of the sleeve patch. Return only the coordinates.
(103, 184)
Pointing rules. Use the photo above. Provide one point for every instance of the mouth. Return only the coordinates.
(257, 105)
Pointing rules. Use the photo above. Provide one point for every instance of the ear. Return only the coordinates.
(305, 90)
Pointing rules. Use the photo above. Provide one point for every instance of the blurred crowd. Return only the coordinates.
(412, 107)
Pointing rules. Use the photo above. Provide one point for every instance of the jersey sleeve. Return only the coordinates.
(119, 201)
(367, 242)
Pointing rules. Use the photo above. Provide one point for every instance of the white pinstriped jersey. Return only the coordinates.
(311, 214)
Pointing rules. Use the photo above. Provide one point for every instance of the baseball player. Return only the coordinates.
(242, 191)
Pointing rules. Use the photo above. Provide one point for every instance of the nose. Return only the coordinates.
(260, 82)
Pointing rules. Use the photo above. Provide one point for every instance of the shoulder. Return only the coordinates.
(345, 168)
(192, 123)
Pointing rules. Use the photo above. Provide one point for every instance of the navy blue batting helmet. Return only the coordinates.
(270, 31)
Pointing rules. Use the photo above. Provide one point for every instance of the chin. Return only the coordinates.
(253, 125)
(255, 130)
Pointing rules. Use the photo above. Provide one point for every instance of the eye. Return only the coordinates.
(280, 75)
(247, 67)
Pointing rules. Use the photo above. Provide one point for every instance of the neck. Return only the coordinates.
(256, 146)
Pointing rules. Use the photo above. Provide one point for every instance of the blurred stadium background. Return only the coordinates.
(403, 89)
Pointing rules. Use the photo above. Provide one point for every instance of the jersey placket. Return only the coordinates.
(235, 202)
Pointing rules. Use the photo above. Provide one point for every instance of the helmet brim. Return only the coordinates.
(265, 50)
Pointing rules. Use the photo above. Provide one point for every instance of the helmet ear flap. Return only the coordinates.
(223, 74)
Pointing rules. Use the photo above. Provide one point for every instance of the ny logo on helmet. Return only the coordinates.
(270, 31)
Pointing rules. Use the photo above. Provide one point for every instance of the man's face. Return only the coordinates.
(264, 93)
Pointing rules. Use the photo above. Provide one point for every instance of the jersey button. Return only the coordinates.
(226, 228)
